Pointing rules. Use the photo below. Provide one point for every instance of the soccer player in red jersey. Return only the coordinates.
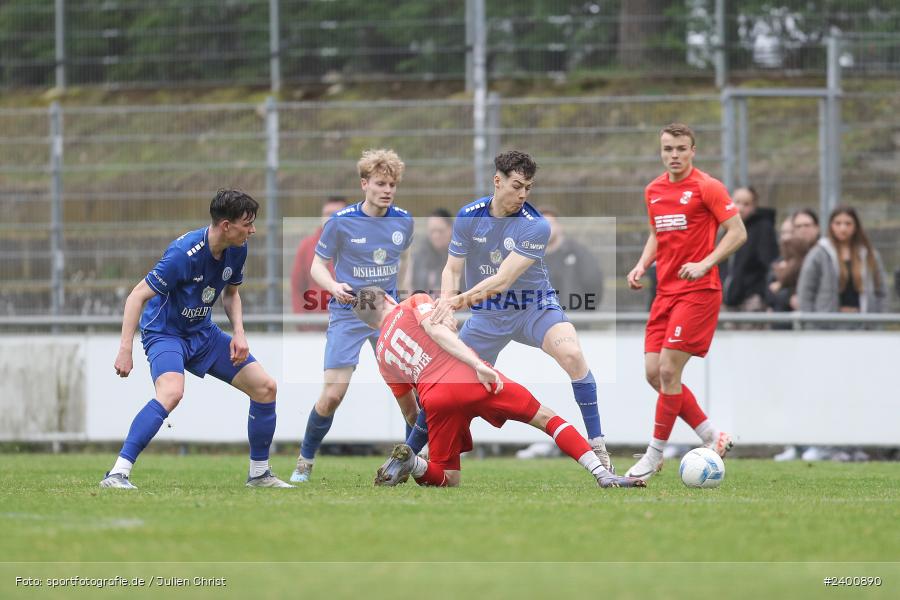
(686, 207)
(454, 387)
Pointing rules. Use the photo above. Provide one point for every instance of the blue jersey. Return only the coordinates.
(366, 250)
(485, 241)
(187, 281)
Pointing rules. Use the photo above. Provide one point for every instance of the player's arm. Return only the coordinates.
(234, 309)
(408, 406)
(443, 308)
(448, 341)
(451, 274)
(403, 283)
(321, 275)
(644, 262)
(510, 269)
(734, 238)
(134, 305)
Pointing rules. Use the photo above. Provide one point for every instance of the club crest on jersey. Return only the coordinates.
(397, 238)
(209, 294)
(379, 256)
(686, 197)
(509, 243)
(496, 257)
(226, 274)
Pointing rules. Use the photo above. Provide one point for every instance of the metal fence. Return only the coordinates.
(124, 43)
(90, 196)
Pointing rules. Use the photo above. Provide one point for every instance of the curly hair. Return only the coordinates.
(382, 161)
(522, 163)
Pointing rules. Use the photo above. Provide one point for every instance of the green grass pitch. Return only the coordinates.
(516, 529)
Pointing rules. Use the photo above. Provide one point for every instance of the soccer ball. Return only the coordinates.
(702, 468)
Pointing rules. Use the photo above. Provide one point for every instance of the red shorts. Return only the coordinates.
(450, 408)
(683, 322)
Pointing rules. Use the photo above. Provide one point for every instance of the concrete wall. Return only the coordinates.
(767, 387)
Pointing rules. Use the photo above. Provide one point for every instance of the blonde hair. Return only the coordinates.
(382, 161)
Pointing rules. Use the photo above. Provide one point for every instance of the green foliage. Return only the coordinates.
(125, 42)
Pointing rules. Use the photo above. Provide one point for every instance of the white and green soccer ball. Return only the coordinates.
(702, 468)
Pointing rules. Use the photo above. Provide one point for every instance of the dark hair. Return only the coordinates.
(678, 130)
(522, 163)
(808, 212)
(753, 193)
(231, 205)
(857, 241)
(369, 304)
(442, 213)
(331, 199)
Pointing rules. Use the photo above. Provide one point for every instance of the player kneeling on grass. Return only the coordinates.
(454, 387)
(177, 333)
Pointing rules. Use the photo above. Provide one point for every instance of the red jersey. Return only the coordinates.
(306, 294)
(686, 216)
(407, 356)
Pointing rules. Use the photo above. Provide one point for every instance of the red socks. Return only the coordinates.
(434, 475)
(667, 408)
(567, 437)
(691, 412)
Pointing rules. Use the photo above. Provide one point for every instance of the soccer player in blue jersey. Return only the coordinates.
(499, 242)
(177, 333)
(367, 243)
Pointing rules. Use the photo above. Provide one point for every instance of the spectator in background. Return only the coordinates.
(897, 282)
(843, 272)
(574, 269)
(428, 262)
(745, 286)
(784, 270)
(306, 294)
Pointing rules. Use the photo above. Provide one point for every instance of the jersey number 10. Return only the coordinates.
(408, 354)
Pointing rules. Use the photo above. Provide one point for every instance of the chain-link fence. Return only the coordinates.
(251, 42)
(130, 179)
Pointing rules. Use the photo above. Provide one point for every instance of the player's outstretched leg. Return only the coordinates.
(561, 342)
(573, 444)
(144, 426)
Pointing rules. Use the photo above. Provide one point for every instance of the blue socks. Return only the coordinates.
(418, 437)
(260, 429)
(316, 428)
(143, 428)
(586, 397)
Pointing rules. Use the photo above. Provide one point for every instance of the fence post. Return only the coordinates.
(727, 138)
(273, 213)
(479, 97)
(823, 158)
(470, 41)
(834, 122)
(493, 128)
(60, 26)
(57, 258)
(721, 53)
(274, 46)
(743, 146)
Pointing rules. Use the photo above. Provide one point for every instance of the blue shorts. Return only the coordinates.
(344, 338)
(488, 332)
(204, 352)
